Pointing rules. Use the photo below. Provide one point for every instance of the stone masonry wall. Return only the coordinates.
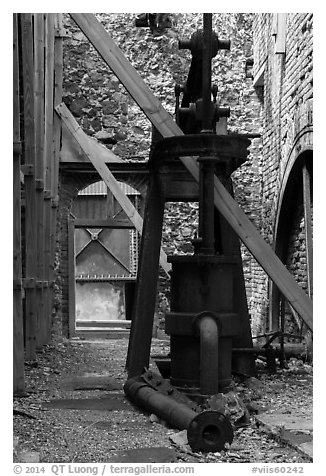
(105, 110)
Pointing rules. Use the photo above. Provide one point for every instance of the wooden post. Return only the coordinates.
(29, 182)
(147, 277)
(71, 278)
(18, 332)
(162, 120)
(58, 74)
(39, 173)
(308, 226)
(48, 151)
(106, 175)
(58, 78)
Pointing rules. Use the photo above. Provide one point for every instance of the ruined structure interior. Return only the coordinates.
(163, 236)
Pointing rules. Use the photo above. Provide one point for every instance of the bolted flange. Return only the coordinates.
(209, 431)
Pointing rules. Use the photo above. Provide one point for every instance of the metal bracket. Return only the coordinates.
(27, 170)
(39, 184)
(42, 284)
(163, 386)
(28, 283)
(61, 33)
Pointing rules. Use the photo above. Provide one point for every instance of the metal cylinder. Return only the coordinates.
(224, 44)
(142, 20)
(184, 44)
(222, 112)
(209, 350)
(206, 431)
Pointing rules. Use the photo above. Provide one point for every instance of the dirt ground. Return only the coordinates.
(52, 435)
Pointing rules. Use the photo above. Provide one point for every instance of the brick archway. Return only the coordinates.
(289, 243)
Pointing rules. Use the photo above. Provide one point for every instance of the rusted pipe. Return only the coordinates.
(207, 72)
(207, 326)
(206, 431)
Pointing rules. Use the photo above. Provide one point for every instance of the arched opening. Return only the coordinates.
(103, 259)
(293, 239)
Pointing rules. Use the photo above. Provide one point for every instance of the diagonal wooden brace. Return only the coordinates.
(164, 123)
(106, 175)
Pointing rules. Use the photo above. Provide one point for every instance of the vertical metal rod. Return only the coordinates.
(207, 71)
(282, 329)
(307, 225)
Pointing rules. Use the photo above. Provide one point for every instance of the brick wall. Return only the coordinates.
(287, 121)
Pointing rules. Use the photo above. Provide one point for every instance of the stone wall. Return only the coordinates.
(106, 111)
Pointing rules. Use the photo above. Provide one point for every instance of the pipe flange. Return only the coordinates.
(209, 431)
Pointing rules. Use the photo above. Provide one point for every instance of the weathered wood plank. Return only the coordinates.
(162, 120)
(39, 90)
(106, 174)
(49, 97)
(147, 277)
(102, 223)
(18, 333)
(29, 182)
(49, 225)
(57, 98)
(58, 78)
(72, 152)
(71, 278)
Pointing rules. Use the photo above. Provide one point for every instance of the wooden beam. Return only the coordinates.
(29, 184)
(72, 152)
(147, 278)
(18, 327)
(39, 90)
(223, 201)
(49, 224)
(105, 174)
(308, 226)
(58, 79)
(103, 223)
(57, 98)
(49, 97)
(71, 278)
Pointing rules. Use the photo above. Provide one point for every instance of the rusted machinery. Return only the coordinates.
(206, 431)
(204, 315)
(209, 315)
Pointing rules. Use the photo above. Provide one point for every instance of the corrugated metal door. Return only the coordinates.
(104, 261)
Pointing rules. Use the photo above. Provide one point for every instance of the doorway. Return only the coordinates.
(104, 259)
